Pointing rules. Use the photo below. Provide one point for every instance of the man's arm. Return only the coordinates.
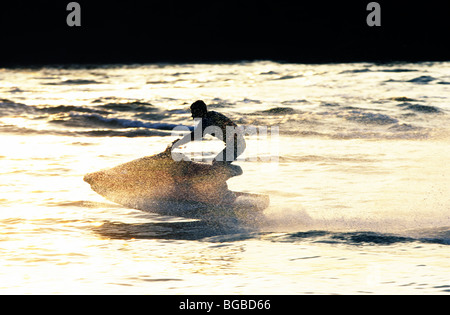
(196, 134)
(186, 139)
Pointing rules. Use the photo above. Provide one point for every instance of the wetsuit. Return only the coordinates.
(224, 129)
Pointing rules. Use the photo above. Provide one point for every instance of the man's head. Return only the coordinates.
(198, 109)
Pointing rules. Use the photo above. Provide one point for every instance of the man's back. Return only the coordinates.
(219, 120)
(213, 118)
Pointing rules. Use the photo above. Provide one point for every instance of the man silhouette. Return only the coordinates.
(221, 127)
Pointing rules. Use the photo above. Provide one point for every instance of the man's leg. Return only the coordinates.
(221, 157)
(231, 151)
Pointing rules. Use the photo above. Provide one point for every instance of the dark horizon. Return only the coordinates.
(36, 33)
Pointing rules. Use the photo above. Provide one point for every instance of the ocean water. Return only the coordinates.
(358, 178)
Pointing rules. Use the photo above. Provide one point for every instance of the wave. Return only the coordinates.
(322, 159)
(395, 70)
(67, 109)
(12, 129)
(191, 230)
(94, 118)
(275, 111)
(131, 133)
(359, 115)
(73, 82)
(295, 101)
(434, 236)
(369, 118)
(130, 106)
(421, 108)
(267, 228)
(140, 132)
(401, 99)
(399, 131)
(98, 121)
(405, 127)
(8, 108)
(235, 232)
(328, 122)
(106, 115)
(422, 79)
(398, 70)
(288, 77)
(349, 113)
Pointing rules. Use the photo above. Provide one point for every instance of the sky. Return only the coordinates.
(36, 32)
